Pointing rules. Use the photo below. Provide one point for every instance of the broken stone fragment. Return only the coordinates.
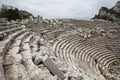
(37, 60)
(53, 68)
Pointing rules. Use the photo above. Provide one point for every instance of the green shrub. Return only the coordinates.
(12, 14)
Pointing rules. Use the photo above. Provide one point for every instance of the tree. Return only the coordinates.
(12, 14)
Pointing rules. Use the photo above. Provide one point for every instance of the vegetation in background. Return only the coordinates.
(12, 13)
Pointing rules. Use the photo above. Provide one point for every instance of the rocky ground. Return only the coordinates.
(30, 54)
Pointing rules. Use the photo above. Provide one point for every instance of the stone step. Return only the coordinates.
(12, 30)
(12, 55)
(63, 47)
(81, 52)
(88, 61)
(110, 60)
(67, 51)
(64, 39)
(111, 63)
(19, 39)
(61, 43)
(98, 52)
(74, 45)
(2, 23)
(8, 27)
(4, 45)
(34, 72)
(94, 70)
(9, 32)
(77, 52)
(3, 20)
(28, 38)
(13, 61)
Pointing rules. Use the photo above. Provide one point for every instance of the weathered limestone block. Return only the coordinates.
(38, 59)
(53, 68)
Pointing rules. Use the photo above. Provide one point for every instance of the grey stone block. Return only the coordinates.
(53, 68)
(37, 60)
(79, 78)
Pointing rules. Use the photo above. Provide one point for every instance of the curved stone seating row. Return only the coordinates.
(34, 72)
(3, 20)
(68, 56)
(84, 55)
(16, 59)
(13, 61)
(3, 24)
(6, 46)
(6, 33)
(12, 30)
(8, 27)
(14, 47)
